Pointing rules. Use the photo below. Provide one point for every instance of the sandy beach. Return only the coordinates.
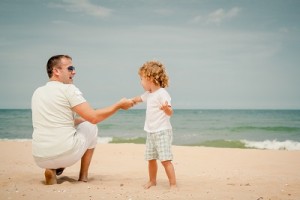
(118, 171)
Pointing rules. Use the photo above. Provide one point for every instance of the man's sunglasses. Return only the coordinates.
(71, 68)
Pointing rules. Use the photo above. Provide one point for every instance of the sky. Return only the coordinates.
(233, 54)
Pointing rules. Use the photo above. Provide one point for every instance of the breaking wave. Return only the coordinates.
(273, 144)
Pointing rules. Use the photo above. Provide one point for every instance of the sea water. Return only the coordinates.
(264, 129)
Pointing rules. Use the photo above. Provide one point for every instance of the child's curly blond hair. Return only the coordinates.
(156, 72)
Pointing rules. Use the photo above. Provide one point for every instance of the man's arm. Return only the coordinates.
(95, 116)
(78, 120)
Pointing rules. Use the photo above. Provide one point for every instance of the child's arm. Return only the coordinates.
(137, 99)
(167, 109)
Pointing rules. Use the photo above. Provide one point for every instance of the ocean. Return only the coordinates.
(261, 129)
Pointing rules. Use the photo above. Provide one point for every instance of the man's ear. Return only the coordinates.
(56, 71)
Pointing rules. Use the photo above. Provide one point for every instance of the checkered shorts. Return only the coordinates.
(158, 145)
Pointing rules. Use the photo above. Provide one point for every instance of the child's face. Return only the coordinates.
(146, 83)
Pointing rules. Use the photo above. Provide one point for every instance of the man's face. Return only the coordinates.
(66, 75)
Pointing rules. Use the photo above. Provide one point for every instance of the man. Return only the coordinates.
(60, 138)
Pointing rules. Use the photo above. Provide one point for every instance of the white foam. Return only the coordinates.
(101, 140)
(104, 140)
(273, 144)
(16, 140)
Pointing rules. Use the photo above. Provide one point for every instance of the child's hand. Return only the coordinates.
(167, 108)
(136, 100)
(164, 106)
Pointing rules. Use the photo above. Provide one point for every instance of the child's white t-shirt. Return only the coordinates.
(156, 119)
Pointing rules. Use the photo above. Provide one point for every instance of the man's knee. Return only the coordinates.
(88, 127)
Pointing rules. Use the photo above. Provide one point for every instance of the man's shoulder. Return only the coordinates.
(64, 87)
(50, 86)
(40, 88)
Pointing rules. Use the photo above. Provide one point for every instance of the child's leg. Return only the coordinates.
(152, 169)
(170, 172)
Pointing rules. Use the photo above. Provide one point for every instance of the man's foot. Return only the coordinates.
(50, 176)
(59, 171)
(83, 177)
(149, 184)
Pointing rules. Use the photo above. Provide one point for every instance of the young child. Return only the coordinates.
(154, 79)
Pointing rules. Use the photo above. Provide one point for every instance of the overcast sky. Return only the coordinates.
(219, 54)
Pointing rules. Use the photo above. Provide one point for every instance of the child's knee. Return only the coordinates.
(166, 163)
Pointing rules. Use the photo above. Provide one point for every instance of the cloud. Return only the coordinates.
(82, 6)
(220, 15)
(217, 16)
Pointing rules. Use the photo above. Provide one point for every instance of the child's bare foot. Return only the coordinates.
(173, 187)
(149, 184)
(50, 176)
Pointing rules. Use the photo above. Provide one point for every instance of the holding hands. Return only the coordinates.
(125, 103)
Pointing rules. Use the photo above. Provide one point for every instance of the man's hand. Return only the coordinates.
(126, 103)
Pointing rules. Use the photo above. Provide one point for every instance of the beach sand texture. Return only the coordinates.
(118, 171)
